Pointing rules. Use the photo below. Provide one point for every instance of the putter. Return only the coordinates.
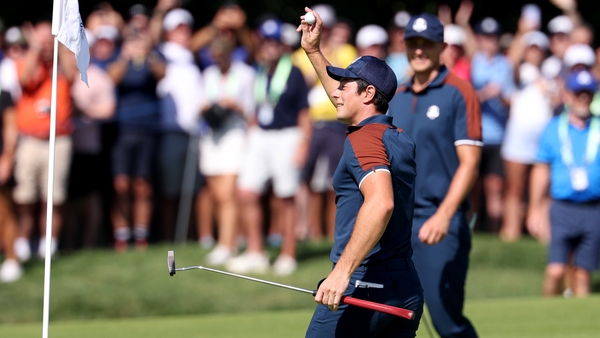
(392, 310)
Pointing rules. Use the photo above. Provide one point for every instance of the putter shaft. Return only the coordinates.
(396, 311)
(246, 277)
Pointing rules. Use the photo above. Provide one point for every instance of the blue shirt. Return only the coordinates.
(399, 64)
(495, 70)
(441, 117)
(293, 100)
(560, 177)
(137, 104)
(375, 144)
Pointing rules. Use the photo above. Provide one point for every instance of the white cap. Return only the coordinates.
(536, 38)
(14, 36)
(370, 35)
(401, 19)
(560, 24)
(289, 36)
(327, 14)
(551, 67)
(176, 17)
(454, 35)
(579, 54)
(107, 32)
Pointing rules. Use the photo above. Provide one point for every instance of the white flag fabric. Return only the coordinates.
(71, 33)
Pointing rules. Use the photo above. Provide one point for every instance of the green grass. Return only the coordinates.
(96, 291)
(102, 284)
(496, 318)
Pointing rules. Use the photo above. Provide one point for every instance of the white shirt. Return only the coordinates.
(237, 84)
(9, 79)
(183, 82)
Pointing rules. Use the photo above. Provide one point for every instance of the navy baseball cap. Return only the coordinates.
(581, 81)
(488, 26)
(271, 29)
(425, 26)
(371, 69)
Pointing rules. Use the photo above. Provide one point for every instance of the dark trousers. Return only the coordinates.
(442, 269)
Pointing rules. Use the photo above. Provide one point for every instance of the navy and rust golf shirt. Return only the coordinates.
(444, 115)
(375, 144)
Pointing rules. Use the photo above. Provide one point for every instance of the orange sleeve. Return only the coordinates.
(472, 106)
(368, 146)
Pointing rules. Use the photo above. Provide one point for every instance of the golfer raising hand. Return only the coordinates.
(374, 187)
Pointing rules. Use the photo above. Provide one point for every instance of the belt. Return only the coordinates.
(391, 264)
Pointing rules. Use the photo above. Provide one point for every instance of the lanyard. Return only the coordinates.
(230, 86)
(566, 147)
(280, 77)
(595, 105)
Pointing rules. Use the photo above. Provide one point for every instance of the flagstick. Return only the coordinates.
(50, 196)
(56, 14)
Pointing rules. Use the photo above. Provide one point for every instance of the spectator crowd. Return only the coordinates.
(231, 120)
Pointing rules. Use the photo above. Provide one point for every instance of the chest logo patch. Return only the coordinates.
(433, 112)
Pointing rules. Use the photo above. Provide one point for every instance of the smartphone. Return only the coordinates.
(532, 13)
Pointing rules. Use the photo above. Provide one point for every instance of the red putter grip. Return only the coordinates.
(392, 310)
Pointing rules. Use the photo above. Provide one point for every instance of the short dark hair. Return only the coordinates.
(380, 102)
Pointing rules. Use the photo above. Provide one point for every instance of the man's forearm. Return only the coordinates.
(31, 61)
(462, 182)
(116, 70)
(371, 222)
(10, 132)
(202, 37)
(539, 185)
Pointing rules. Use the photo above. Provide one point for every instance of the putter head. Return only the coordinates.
(171, 262)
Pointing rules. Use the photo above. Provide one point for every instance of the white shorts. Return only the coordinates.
(520, 144)
(321, 182)
(31, 169)
(270, 154)
(222, 154)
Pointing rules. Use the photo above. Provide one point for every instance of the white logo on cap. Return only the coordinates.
(270, 27)
(433, 112)
(489, 25)
(584, 78)
(419, 25)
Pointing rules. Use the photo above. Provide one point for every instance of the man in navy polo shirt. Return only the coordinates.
(374, 186)
(569, 168)
(442, 113)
